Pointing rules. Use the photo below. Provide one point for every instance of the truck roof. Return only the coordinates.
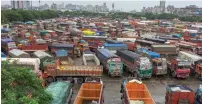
(163, 45)
(107, 53)
(191, 55)
(130, 53)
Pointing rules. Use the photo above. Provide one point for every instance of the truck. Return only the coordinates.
(199, 69)
(161, 41)
(198, 95)
(179, 94)
(61, 92)
(137, 65)
(159, 65)
(135, 92)
(54, 72)
(113, 47)
(7, 44)
(90, 91)
(90, 59)
(179, 67)
(194, 58)
(111, 62)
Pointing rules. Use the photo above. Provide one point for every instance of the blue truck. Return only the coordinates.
(111, 62)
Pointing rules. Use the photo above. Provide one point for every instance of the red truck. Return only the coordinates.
(179, 68)
(179, 94)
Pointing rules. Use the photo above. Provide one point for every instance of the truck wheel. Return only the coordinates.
(80, 80)
(135, 74)
(50, 79)
(173, 74)
(70, 79)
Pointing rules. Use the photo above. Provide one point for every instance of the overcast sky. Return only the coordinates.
(124, 5)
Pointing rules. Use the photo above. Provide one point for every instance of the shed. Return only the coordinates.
(16, 53)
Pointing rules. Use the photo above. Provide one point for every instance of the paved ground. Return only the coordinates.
(156, 87)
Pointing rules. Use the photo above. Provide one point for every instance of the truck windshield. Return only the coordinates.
(116, 65)
(145, 63)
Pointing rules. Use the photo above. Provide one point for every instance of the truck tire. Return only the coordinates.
(70, 79)
(80, 80)
(173, 74)
(50, 79)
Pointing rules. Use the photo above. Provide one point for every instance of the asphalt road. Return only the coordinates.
(156, 86)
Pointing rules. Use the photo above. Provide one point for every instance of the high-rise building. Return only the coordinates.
(20, 4)
(162, 6)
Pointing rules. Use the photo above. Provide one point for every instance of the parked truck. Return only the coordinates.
(179, 94)
(112, 63)
(135, 92)
(159, 65)
(90, 59)
(198, 95)
(7, 44)
(90, 92)
(195, 59)
(137, 65)
(33, 47)
(179, 67)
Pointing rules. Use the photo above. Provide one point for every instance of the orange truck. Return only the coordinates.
(90, 91)
(134, 91)
(179, 94)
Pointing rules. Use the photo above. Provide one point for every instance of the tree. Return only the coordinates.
(21, 86)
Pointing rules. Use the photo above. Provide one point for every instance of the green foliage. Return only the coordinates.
(18, 82)
(26, 15)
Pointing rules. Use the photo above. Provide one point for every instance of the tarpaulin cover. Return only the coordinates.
(128, 55)
(46, 61)
(114, 45)
(5, 30)
(150, 53)
(7, 40)
(3, 55)
(61, 52)
(104, 54)
(60, 92)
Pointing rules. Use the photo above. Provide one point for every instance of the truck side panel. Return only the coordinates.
(138, 92)
(35, 47)
(89, 92)
(74, 70)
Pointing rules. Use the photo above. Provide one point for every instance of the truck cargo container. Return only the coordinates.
(165, 49)
(135, 92)
(179, 94)
(90, 59)
(161, 41)
(198, 96)
(90, 92)
(136, 64)
(111, 62)
(113, 47)
(159, 65)
(57, 72)
(140, 43)
(33, 47)
(61, 92)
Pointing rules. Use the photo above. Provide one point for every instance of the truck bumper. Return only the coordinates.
(182, 75)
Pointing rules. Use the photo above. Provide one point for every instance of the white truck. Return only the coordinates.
(90, 59)
(191, 57)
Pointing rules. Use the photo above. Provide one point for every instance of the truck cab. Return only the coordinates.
(159, 66)
(199, 71)
(179, 68)
(198, 96)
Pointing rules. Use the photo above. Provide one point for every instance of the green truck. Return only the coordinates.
(136, 64)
